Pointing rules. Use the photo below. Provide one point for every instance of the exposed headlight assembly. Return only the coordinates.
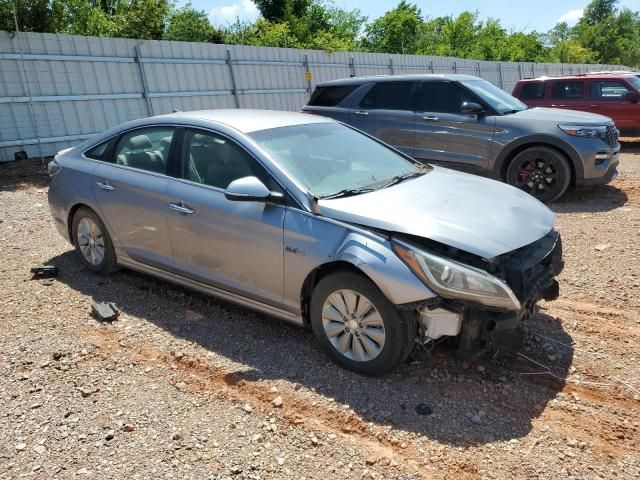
(587, 131)
(455, 280)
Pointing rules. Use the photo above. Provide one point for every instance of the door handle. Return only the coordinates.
(105, 185)
(429, 118)
(594, 106)
(361, 113)
(181, 207)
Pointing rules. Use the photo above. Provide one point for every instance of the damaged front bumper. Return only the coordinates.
(530, 272)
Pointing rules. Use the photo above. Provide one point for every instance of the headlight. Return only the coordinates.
(588, 131)
(456, 280)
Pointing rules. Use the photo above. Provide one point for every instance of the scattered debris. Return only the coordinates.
(277, 402)
(423, 409)
(45, 271)
(602, 247)
(105, 312)
(88, 391)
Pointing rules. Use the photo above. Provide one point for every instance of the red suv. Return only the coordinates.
(612, 94)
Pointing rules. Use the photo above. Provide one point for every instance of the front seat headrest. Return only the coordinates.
(139, 142)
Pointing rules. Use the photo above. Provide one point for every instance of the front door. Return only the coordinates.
(233, 245)
(446, 136)
(130, 190)
(386, 112)
(608, 97)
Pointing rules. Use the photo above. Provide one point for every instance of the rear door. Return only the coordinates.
(607, 97)
(130, 191)
(232, 245)
(447, 136)
(386, 111)
(569, 94)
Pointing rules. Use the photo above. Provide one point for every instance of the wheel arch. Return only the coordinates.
(317, 274)
(72, 213)
(514, 148)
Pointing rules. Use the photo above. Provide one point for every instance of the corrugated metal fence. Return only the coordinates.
(56, 90)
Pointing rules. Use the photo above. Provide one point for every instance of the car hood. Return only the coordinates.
(480, 216)
(559, 115)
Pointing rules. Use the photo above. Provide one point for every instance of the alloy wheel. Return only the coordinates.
(90, 241)
(538, 176)
(353, 325)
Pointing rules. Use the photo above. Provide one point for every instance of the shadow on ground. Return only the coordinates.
(600, 198)
(271, 350)
(23, 175)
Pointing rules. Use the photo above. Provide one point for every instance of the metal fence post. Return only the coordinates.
(500, 75)
(143, 77)
(307, 72)
(478, 69)
(455, 67)
(234, 87)
(352, 65)
(391, 65)
(520, 71)
(25, 86)
(431, 66)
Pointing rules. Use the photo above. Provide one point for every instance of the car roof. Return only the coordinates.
(247, 120)
(582, 76)
(397, 78)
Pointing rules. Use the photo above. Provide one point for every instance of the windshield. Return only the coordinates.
(499, 100)
(635, 81)
(330, 158)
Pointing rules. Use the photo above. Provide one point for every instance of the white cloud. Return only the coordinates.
(242, 9)
(572, 16)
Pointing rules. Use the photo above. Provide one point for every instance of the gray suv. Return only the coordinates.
(466, 123)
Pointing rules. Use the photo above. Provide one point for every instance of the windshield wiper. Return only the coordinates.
(509, 112)
(348, 192)
(401, 178)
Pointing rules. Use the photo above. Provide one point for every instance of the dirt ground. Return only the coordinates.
(183, 386)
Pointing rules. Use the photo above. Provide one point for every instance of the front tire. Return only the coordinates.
(542, 172)
(357, 326)
(93, 243)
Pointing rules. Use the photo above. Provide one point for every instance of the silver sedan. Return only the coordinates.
(311, 221)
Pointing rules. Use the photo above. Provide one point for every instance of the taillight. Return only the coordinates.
(53, 168)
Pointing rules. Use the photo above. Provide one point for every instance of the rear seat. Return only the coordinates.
(140, 155)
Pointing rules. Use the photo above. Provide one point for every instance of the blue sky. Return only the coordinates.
(517, 15)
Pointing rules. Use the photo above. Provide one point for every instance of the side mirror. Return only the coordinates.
(247, 189)
(471, 108)
(631, 97)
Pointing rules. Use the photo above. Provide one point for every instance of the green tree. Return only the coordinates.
(282, 10)
(189, 25)
(397, 31)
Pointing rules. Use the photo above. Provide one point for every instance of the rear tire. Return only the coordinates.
(93, 243)
(358, 326)
(542, 172)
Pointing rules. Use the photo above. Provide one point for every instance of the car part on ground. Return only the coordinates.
(389, 256)
(468, 124)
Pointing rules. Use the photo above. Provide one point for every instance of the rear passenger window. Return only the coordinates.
(389, 96)
(215, 160)
(330, 96)
(145, 149)
(532, 90)
(568, 90)
(608, 90)
(443, 97)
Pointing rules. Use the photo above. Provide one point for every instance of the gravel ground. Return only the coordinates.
(185, 386)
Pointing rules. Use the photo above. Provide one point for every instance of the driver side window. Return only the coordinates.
(216, 161)
(442, 97)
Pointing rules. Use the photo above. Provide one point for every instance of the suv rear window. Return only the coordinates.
(389, 96)
(568, 90)
(330, 96)
(532, 90)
